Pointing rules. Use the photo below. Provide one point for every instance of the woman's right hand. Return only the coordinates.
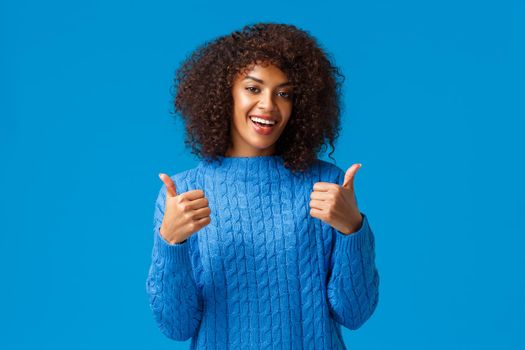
(184, 214)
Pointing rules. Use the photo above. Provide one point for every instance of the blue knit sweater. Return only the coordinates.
(264, 273)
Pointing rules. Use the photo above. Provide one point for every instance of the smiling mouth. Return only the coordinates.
(262, 126)
(263, 129)
(262, 122)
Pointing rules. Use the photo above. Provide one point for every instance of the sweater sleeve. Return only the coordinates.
(353, 284)
(173, 294)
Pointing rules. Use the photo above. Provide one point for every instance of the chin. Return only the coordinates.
(262, 145)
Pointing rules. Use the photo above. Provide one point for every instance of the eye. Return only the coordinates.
(252, 89)
(285, 94)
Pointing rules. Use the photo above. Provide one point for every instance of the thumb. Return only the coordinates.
(170, 185)
(350, 175)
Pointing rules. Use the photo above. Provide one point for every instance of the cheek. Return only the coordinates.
(286, 109)
(242, 103)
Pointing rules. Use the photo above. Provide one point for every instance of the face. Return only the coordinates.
(262, 92)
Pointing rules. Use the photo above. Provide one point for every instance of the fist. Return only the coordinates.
(184, 214)
(336, 205)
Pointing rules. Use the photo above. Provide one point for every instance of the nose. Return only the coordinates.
(266, 102)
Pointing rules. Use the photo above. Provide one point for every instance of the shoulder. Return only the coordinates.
(328, 172)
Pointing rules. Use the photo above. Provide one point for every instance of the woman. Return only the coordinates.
(262, 244)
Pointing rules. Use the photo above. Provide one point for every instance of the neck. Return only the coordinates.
(246, 153)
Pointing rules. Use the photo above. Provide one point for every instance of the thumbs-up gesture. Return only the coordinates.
(184, 214)
(336, 205)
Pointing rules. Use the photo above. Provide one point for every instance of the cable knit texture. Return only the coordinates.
(264, 274)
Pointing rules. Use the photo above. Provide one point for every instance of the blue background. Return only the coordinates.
(433, 109)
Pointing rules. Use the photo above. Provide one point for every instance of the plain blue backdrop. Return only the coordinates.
(433, 109)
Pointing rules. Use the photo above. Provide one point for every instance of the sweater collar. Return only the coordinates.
(248, 169)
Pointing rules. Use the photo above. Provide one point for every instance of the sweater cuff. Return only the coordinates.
(177, 253)
(353, 241)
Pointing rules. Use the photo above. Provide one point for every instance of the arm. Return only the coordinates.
(174, 297)
(353, 280)
(353, 287)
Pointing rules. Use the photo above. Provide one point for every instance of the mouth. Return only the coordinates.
(263, 126)
(263, 121)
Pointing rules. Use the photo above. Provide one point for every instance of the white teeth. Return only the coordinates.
(263, 121)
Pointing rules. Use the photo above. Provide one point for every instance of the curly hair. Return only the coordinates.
(204, 81)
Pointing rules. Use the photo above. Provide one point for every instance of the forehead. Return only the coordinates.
(268, 73)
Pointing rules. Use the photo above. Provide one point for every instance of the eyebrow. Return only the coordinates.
(262, 82)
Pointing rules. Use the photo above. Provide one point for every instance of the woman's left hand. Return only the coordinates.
(336, 205)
